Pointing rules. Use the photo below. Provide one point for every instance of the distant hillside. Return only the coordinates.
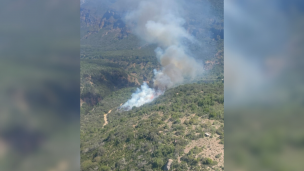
(104, 32)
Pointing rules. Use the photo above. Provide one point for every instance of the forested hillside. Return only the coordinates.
(114, 62)
(145, 138)
(113, 58)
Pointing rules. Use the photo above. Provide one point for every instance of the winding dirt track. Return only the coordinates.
(105, 118)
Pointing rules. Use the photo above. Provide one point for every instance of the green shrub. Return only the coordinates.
(218, 155)
(212, 115)
(88, 164)
(220, 132)
(104, 168)
(207, 161)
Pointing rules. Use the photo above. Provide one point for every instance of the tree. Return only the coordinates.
(200, 103)
(212, 115)
(158, 163)
(86, 165)
(207, 161)
(193, 107)
(104, 168)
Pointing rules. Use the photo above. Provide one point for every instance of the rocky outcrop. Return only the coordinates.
(168, 165)
(110, 19)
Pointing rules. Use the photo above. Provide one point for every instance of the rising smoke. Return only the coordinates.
(159, 22)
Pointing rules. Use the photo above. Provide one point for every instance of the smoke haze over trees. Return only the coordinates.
(175, 46)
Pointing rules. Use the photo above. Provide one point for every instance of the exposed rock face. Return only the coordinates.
(110, 20)
(167, 167)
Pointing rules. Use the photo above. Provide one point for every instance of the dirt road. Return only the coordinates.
(105, 118)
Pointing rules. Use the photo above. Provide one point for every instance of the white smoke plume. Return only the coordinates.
(141, 96)
(159, 22)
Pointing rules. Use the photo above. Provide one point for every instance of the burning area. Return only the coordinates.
(159, 22)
